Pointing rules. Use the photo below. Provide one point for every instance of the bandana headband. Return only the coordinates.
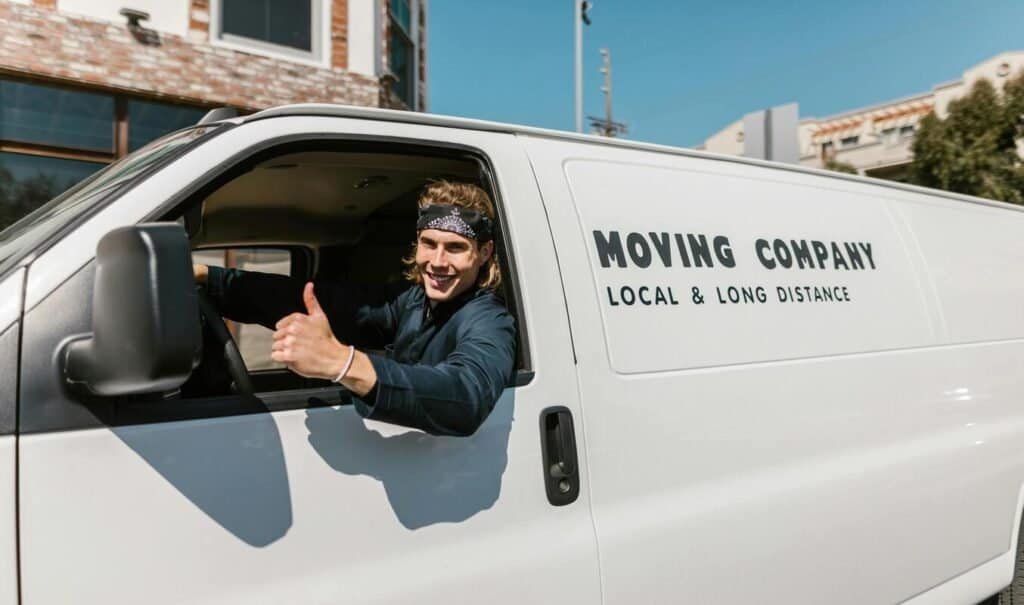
(456, 219)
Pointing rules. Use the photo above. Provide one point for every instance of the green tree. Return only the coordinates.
(837, 166)
(18, 198)
(974, 150)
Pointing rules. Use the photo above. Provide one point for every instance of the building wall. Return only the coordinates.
(43, 43)
(362, 41)
(877, 140)
(729, 140)
(80, 87)
(167, 17)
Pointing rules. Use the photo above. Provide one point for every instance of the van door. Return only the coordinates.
(11, 288)
(301, 500)
(770, 409)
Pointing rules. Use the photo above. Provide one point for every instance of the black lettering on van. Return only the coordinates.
(761, 246)
(681, 244)
(801, 253)
(701, 252)
(837, 257)
(639, 251)
(609, 248)
(663, 245)
(782, 253)
(854, 254)
(867, 252)
(820, 252)
(723, 251)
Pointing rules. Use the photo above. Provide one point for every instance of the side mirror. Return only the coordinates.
(145, 317)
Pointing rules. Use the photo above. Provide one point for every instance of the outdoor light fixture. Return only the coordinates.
(134, 16)
(144, 35)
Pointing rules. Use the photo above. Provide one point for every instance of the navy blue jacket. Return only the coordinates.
(441, 369)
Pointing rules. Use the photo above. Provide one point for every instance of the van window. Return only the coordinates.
(32, 230)
(349, 209)
(253, 340)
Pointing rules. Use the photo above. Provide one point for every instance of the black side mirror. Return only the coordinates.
(145, 318)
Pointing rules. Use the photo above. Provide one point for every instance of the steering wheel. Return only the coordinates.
(225, 344)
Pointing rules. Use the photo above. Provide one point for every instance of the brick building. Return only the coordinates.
(84, 82)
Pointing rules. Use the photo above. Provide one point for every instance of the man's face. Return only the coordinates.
(449, 263)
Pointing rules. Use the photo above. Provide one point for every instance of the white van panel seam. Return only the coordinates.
(829, 357)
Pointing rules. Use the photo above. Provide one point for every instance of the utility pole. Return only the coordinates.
(607, 127)
(579, 18)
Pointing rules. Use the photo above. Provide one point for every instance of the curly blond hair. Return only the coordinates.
(464, 195)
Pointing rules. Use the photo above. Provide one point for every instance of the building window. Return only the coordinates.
(826, 149)
(148, 120)
(48, 115)
(292, 28)
(906, 131)
(890, 136)
(29, 181)
(401, 51)
(849, 141)
(52, 137)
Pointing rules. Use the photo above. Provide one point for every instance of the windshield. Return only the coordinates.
(50, 218)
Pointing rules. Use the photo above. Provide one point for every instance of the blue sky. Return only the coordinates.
(683, 70)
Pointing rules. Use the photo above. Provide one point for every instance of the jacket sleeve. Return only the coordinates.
(366, 317)
(455, 396)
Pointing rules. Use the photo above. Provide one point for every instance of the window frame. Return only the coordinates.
(410, 38)
(319, 31)
(318, 395)
(118, 120)
(850, 141)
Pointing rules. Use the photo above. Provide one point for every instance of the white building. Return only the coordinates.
(876, 139)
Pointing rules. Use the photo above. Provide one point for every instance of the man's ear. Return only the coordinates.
(487, 250)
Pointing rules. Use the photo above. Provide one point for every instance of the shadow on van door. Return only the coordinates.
(427, 479)
(231, 468)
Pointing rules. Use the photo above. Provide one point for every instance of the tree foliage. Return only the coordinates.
(18, 198)
(837, 166)
(974, 150)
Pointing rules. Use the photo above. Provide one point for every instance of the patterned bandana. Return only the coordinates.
(456, 219)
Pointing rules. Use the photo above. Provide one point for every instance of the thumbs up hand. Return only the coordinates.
(305, 343)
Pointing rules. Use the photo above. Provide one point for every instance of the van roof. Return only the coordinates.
(428, 119)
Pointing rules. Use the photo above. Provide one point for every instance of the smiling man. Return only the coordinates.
(448, 340)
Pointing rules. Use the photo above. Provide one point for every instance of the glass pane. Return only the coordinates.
(27, 182)
(40, 225)
(253, 341)
(403, 14)
(56, 116)
(400, 51)
(148, 120)
(285, 22)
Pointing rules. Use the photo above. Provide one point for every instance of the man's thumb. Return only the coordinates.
(312, 304)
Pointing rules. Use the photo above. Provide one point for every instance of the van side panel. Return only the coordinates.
(10, 330)
(747, 445)
(8, 522)
(973, 254)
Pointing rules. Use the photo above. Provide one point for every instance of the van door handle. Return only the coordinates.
(558, 452)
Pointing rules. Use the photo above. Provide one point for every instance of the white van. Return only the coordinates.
(766, 384)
